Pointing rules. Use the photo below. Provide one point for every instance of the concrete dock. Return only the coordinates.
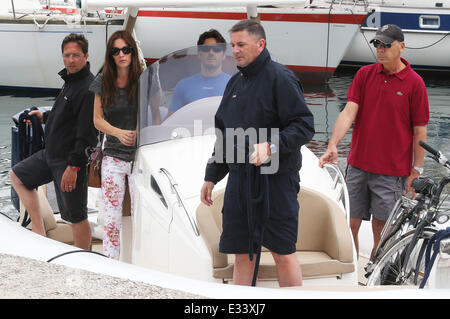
(26, 278)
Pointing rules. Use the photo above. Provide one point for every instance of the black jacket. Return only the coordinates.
(69, 126)
(264, 94)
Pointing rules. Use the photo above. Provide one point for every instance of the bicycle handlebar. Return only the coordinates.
(429, 148)
(437, 155)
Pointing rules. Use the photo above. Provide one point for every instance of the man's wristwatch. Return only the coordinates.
(75, 168)
(418, 169)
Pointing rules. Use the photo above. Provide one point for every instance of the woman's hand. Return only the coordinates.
(127, 137)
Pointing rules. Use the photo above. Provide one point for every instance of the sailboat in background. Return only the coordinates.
(426, 26)
(311, 40)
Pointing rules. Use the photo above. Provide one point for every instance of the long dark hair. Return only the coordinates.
(109, 73)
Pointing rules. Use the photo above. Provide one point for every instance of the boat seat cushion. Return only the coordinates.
(60, 230)
(62, 233)
(324, 244)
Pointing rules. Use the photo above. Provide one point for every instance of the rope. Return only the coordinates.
(73, 252)
(434, 244)
(31, 139)
(41, 26)
(430, 45)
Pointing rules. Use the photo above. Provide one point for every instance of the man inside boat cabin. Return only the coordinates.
(211, 80)
(69, 129)
(264, 95)
(387, 104)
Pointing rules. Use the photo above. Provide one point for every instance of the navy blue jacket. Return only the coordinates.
(69, 126)
(264, 94)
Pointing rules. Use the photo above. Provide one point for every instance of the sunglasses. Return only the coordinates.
(126, 50)
(207, 48)
(378, 44)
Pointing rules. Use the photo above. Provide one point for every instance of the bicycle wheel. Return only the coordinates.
(391, 269)
(392, 228)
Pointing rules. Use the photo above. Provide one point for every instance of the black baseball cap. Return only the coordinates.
(388, 34)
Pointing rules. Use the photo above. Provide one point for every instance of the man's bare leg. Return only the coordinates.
(288, 270)
(30, 200)
(243, 270)
(355, 224)
(82, 234)
(377, 227)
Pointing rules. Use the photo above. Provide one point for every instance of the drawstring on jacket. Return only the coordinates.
(256, 204)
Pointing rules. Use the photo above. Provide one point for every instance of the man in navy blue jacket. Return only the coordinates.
(265, 98)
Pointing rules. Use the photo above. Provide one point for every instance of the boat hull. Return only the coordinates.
(35, 58)
(292, 33)
(426, 45)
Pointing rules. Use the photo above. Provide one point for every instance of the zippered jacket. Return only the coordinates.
(69, 125)
(263, 95)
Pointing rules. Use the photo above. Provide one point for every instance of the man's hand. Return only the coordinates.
(38, 114)
(413, 176)
(330, 156)
(69, 179)
(205, 193)
(261, 154)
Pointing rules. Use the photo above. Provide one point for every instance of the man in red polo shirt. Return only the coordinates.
(388, 104)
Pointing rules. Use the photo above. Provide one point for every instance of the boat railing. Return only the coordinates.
(176, 191)
(340, 188)
(354, 3)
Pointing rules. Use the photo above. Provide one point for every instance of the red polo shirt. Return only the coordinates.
(389, 106)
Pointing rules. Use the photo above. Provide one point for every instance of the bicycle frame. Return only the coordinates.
(434, 201)
(404, 210)
(419, 216)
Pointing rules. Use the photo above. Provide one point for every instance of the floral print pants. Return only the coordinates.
(114, 172)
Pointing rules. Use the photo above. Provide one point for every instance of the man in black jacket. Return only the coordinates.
(264, 101)
(69, 129)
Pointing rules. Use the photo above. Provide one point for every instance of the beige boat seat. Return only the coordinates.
(57, 230)
(324, 245)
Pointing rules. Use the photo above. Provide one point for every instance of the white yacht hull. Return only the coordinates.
(426, 31)
(32, 57)
(312, 41)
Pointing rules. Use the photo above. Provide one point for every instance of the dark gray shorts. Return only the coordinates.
(372, 194)
(39, 169)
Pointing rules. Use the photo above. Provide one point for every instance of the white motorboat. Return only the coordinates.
(311, 40)
(425, 24)
(33, 35)
(171, 239)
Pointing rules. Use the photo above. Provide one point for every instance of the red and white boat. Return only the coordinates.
(309, 39)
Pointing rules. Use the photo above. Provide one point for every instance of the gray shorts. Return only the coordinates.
(39, 169)
(372, 194)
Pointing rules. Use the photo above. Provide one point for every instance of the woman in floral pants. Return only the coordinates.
(113, 191)
(115, 114)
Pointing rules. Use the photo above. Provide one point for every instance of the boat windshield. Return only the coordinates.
(180, 93)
